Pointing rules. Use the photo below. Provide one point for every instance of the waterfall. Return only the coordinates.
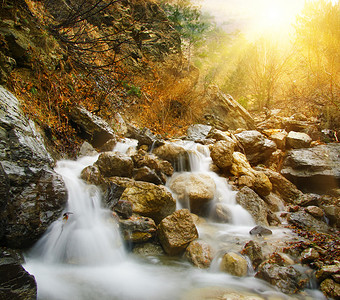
(81, 256)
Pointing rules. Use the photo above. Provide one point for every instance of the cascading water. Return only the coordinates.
(81, 256)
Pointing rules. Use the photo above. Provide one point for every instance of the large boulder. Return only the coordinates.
(144, 137)
(279, 136)
(91, 127)
(307, 221)
(252, 202)
(198, 132)
(115, 164)
(37, 192)
(222, 153)
(176, 231)
(297, 140)
(257, 147)
(15, 281)
(148, 200)
(314, 169)
(194, 191)
(224, 113)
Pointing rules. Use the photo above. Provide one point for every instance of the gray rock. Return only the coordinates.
(198, 132)
(260, 230)
(297, 140)
(314, 169)
(137, 229)
(144, 137)
(305, 220)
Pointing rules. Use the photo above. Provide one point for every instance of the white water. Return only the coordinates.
(83, 258)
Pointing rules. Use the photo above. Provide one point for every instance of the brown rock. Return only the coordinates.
(115, 164)
(254, 252)
(315, 211)
(91, 175)
(137, 229)
(176, 231)
(199, 253)
(222, 153)
(330, 288)
(309, 255)
(234, 264)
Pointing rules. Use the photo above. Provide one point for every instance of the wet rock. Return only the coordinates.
(144, 137)
(148, 249)
(254, 252)
(222, 153)
(176, 231)
(310, 171)
(148, 199)
(148, 175)
(194, 191)
(286, 278)
(297, 140)
(92, 175)
(4, 197)
(87, 149)
(330, 288)
(257, 147)
(137, 229)
(114, 164)
(327, 271)
(309, 255)
(218, 135)
(240, 165)
(15, 281)
(90, 127)
(278, 136)
(260, 231)
(124, 208)
(274, 202)
(112, 194)
(199, 253)
(198, 132)
(252, 202)
(176, 155)
(332, 212)
(305, 220)
(234, 264)
(109, 145)
(315, 211)
(221, 213)
(37, 193)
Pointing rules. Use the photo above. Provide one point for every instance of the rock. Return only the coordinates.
(221, 213)
(224, 113)
(15, 281)
(114, 164)
(262, 185)
(252, 202)
(327, 271)
(112, 194)
(310, 171)
(176, 155)
(137, 229)
(148, 200)
(297, 140)
(199, 253)
(144, 137)
(309, 255)
(286, 278)
(278, 136)
(305, 220)
(222, 153)
(274, 202)
(198, 132)
(219, 135)
(86, 149)
(240, 165)
(37, 193)
(315, 211)
(92, 175)
(90, 127)
(124, 208)
(194, 191)
(282, 187)
(234, 264)
(109, 145)
(4, 197)
(119, 125)
(148, 175)
(330, 288)
(254, 252)
(332, 212)
(176, 231)
(260, 231)
(258, 149)
(148, 249)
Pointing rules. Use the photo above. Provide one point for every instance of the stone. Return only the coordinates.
(92, 175)
(315, 211)
(285, 278)
(144, 137)
(279, 136)
(274, 202)
(90, 127)
(310, 171)
(112, 194)
(297, 140)
(240, 165)
(176, 232)
(15, 281)
(219, 135)
(148, 199)
(86, 149)
(198, 132)
(109, 145)
(176, 155)
(234, 264)
(221, 213)
(4, 197)
(327, 271)
(124, 208)
(257, 147)
(114, 164)
(305, 220)
(254, 252)
(222, 153)
(137, 229)
(309, 255)
(199, 253)
(252, 202)
(194, 191)
(148, 175)
(332, 212)
(260, 231)
(330, 288)
(148, 249)
(262, 185)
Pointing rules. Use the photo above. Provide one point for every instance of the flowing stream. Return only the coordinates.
(82, 255)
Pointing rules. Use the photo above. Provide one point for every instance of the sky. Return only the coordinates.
(254, 17)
